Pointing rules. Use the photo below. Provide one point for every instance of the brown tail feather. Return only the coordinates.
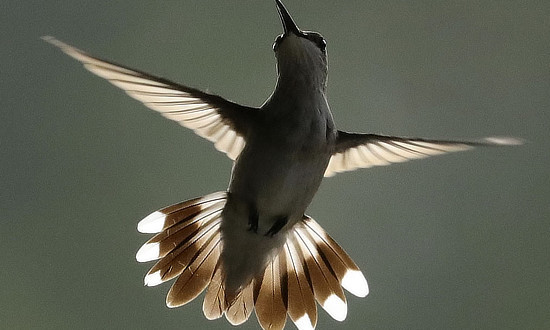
(241, 306)
(196, 276)
(347, 272)
(301, 302)
(271, 302)
(175, 262)
(214, 305)
(327, 290)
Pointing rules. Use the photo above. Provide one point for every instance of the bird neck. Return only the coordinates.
(300, 86)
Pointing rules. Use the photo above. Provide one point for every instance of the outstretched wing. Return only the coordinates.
(210, 116)
(354, 150)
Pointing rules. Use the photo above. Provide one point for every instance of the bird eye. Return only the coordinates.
(322, 45)
(277, 42)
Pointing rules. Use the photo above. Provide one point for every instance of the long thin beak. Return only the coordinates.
(286, 19)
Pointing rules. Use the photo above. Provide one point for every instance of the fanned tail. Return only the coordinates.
(310, 267)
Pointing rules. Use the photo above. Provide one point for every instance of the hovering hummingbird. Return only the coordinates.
(253, 246)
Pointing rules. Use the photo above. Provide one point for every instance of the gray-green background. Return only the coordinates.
(457, 241)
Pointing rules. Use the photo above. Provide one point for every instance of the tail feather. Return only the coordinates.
(271, 302)
(184, 232)
(196, 276)
(183, 254)
(162, 219)
(180, 244)
(326, 288)
(241, 306)
(347, 272)
(310, 267)
(214, 305)
(301, 302)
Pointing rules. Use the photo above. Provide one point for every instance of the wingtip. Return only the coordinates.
(66, 48)
(54, 41)
(503, 141)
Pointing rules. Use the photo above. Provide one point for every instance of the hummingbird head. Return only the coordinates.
(301, 55)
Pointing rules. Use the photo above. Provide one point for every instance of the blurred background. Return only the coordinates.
(451, 242)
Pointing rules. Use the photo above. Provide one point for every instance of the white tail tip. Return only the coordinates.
(153, 279)
(152, 224)
(304, 323)
(355, 283)
(336, 307)
(148, 252)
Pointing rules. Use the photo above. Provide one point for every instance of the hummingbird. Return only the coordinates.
(252, 247)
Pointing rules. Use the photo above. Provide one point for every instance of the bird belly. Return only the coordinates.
(277, 183)
(268, 194)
